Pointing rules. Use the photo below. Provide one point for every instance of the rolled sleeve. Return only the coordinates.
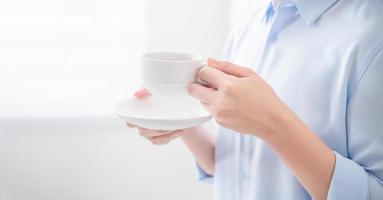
(359, 174)
(203, 176)
(349, 180)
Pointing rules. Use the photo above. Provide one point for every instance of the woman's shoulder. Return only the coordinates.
(241, 25)
(240, 28)
(363, 18)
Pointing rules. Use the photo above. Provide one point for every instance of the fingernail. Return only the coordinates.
(211, 59)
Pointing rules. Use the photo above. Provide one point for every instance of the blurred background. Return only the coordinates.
(62, 66)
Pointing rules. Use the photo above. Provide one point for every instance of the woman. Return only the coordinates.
(306, 120)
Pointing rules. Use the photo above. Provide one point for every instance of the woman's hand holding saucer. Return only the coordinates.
(154, 136)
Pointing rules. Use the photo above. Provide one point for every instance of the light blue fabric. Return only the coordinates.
(324, 59)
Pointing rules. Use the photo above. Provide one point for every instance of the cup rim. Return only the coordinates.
(195, 58)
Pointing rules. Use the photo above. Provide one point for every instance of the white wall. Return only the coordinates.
(91, 159)
(197, 26)
(62, 65)
(240, 9)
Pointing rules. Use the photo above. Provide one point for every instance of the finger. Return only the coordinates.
(147, 135)
(205, 84)
(230, 68)
(212, 76)
(208, 107)
(165, 139)
(142, 93)
(202, 93)
(130, 125)
(152, 133)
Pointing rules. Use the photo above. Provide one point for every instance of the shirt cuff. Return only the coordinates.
(203, 176)
(349, 180)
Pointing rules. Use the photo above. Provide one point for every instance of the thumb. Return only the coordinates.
(230, 68)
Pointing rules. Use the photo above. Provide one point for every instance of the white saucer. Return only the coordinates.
(162, 114)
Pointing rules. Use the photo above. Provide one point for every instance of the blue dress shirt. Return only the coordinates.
(324, 59)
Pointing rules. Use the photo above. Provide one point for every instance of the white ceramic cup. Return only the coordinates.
(168, 74)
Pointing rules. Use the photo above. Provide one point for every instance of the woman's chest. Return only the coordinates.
(313, 80)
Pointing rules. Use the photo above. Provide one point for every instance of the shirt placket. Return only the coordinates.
(286, 12)
(242, 168)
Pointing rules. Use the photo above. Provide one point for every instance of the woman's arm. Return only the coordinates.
(242, 101)
(201, 144)
(309, 159)
(199, 140)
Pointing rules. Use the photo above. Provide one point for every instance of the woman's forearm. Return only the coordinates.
(200, 142)
(242, 101)
(304, 153)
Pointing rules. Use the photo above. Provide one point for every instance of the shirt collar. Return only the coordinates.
(310, 10)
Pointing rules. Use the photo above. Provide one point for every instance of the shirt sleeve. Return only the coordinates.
(203, 176)
(226, 55)
(359, 175)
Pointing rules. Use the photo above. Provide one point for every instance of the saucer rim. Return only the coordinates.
(204, 115)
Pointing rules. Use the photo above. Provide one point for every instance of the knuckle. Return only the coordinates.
(192, 89)
(203, 72)
(229, 87)
(159, 141)
(219, 120)
(164, 132)
(141, 133)
(141, 130)
(218, 113)
(248, 70)
(226, 63)
(154, 141)
(144, 134)
(222, 111)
